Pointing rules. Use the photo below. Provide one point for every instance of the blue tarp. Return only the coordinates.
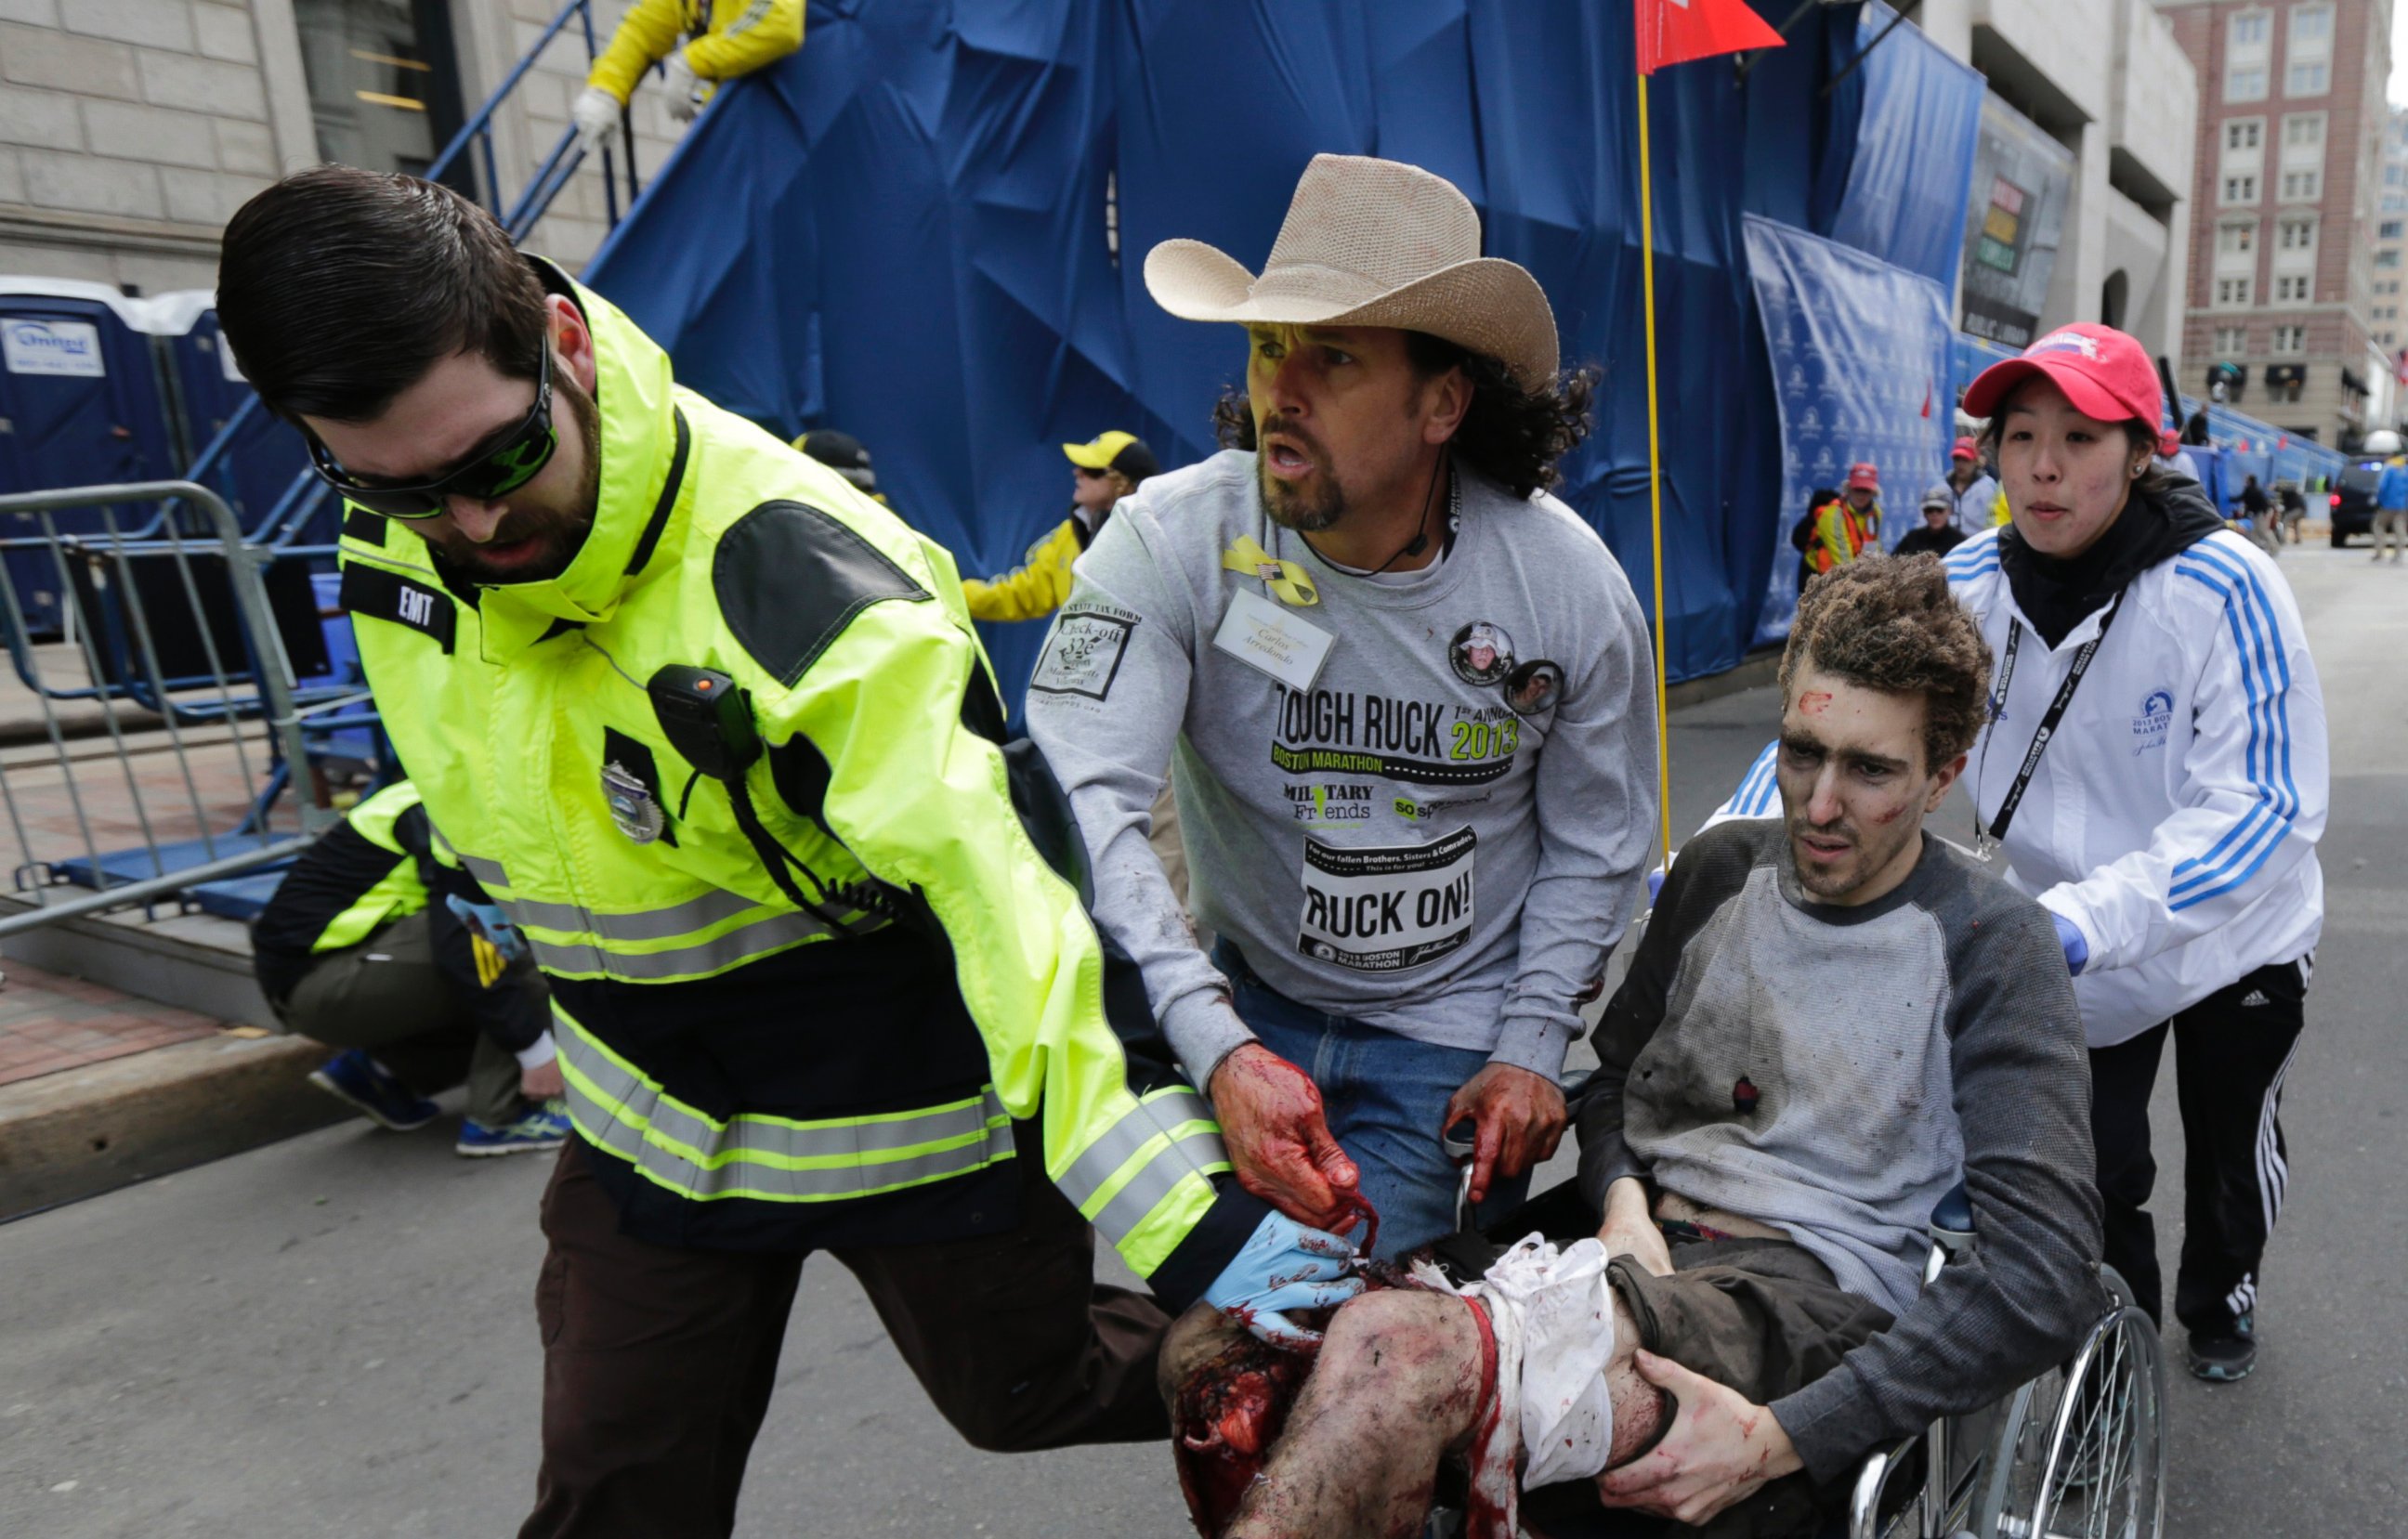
(907, 230)
(1861, 355)
(1917, 127)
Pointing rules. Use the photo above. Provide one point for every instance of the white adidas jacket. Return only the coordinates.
(2175, 813)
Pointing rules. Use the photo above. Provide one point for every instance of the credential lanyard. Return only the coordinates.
(1992, 838)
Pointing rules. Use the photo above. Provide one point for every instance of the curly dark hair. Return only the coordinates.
(1889, 623)
(1510, 434)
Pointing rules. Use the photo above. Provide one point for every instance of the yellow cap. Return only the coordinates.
(1100, 455)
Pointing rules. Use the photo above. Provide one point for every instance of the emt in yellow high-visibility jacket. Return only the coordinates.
(714, 728)
(697, 43)
(1849, 524)
(1103, 471)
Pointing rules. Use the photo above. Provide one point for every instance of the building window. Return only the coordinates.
(2242, 132)
(2292, 288)
(2290, 339)
(2303, 131)
(2296, 234)
(2249, 30)
(2308, 78)
(2244, 83)
(2241, 190)
(2237, 238)
(2387, 258)
(2231, 341)
(2303, 186)
(2231, 292)
(2282, 389)
(2310, 28)
(2388, 230)
(384, 86)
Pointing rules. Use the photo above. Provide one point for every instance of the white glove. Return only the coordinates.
(595, 113)
(684, 87)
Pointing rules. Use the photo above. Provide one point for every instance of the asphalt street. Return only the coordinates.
(336, 1333)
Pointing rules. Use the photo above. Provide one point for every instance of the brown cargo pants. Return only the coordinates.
(658, 1361)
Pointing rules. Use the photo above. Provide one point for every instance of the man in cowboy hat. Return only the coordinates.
(1409, 695)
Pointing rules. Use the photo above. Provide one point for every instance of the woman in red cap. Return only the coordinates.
(2155, 774)
(1972, 491)
(2157, 781)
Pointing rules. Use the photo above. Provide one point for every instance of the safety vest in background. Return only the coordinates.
(361, 875)
(1038, 586)
(751, 1073)
(724, 38)
(1841, 534)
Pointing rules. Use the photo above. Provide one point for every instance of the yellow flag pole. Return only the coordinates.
(1654, 473)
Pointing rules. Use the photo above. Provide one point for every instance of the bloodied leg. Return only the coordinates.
(1352, 1442)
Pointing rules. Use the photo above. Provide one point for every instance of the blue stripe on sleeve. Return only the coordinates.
(2251, 618)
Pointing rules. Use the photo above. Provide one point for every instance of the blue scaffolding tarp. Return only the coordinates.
(928, 227)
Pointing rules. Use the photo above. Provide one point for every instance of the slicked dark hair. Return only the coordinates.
(1890, 623)
(339, 289)
(1510, 434)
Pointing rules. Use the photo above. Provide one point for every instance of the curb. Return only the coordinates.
(82, 1131)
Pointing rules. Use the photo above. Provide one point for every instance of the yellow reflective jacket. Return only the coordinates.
(1841, 534)
(727, 38)
(754, 1074)
(1038, 586)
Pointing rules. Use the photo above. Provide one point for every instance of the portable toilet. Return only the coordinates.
(259, 464)
(79, 404)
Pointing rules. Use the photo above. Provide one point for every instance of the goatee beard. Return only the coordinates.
(1291, 508)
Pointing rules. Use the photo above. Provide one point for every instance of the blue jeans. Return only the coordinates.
(1385, 1096)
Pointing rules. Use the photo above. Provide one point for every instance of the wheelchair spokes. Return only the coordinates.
(2084, 1456)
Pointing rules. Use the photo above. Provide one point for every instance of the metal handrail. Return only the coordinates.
(156, 887)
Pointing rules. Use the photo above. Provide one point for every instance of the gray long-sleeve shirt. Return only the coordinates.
(1392, 841)
(1831, 1071)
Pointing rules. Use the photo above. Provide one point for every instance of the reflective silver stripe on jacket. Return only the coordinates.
(1189, 1149)
(714, 955)
(765, 1157)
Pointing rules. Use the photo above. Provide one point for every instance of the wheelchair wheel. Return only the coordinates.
(2082, 1450)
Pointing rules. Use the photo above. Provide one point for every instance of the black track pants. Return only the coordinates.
(2231, 1052)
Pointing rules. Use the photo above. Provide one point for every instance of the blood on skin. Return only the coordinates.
(1815, 702)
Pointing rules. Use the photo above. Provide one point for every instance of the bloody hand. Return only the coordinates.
(1520, 1115)
(1279, 1139)
(1721, 1449)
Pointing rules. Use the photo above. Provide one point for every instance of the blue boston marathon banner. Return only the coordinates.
(1860, 356)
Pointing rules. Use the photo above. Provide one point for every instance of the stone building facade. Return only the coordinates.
(130, 130)
(2290, 130)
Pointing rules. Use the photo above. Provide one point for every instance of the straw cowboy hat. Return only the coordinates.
(1371, 243)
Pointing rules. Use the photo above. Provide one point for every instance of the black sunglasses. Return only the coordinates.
(505, 462)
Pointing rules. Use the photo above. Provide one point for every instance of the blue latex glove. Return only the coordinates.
(1654, 885)
(2077, 951)
(488, 921)
(1281, 1267)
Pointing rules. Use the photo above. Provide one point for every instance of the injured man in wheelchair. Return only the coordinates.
(1832, 1019)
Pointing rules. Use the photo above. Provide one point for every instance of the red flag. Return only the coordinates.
(1926, 398)
(1673, 31)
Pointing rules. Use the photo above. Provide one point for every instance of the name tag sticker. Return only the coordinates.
(1274, 641)
(1384, 910)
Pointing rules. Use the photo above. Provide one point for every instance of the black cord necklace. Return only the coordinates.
(1415, 546)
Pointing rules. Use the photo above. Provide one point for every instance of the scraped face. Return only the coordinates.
(1853, 789)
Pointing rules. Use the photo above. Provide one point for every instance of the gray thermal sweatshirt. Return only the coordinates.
(1392, 843)
(1832, 1071)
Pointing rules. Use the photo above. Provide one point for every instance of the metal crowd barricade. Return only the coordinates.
(162, 766)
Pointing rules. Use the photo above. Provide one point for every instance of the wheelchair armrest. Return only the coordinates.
(1872, 1478)
(1952, 1216)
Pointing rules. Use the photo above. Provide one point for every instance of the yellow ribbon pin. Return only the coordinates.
(1288, 582)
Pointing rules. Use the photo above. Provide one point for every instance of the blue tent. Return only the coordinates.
(927, 228)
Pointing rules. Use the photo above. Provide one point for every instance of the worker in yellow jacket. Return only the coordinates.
(1103, 470)
(697, 44)
(1849, 524)
(715, 732)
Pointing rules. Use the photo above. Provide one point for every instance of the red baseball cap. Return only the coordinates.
(1863, 474)
(2104, 372)
(1965, 449)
